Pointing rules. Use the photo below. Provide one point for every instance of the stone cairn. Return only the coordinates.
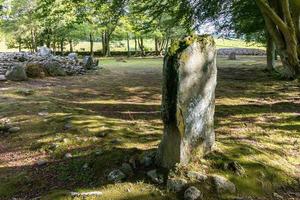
(70, 65)
(188, 104)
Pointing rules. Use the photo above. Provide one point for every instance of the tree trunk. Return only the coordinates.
(106, 43)
(128, 45)
(270, 53)
(62, 47)
(156, 46)
(188, 102)
(71, 46)
(91, 44)
(141, 45)
(135, 45)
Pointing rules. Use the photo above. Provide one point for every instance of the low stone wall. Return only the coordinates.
(241, 51)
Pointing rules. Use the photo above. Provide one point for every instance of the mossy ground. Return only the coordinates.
(257, 124)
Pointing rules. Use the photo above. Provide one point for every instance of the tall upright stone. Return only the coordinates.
(188, 102)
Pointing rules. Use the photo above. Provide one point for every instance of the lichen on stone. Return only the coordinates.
(186, 41)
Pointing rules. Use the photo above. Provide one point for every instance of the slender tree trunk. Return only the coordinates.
(270, 53)
(20, 46)
(106, 43)
(62, 46)
(141, 45)
(128, 45)
(71, 46)
(91, 44)
(135, 45)
(156, 46)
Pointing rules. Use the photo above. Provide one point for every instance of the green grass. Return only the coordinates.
(257, 125)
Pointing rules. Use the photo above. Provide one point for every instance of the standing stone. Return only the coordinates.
(2, 78)
(16, 73)
(88, 62)
(232, 56)
(73, 56)
(188, 104)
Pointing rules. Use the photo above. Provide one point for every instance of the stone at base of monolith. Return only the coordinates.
(188, 104)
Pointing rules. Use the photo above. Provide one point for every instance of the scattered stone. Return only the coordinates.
(223, 185)
(232, 56)
(116, 176)
(241, 51)
(2, 78)
(14, 129)
(68, 155)
(127, 169)
(41, 162)
(155, 176)
(43, 113)
(196, 176)
(16, 73)
(192, 193)
(85, 194)
(176, 184)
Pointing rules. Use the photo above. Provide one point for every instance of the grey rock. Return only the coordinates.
(41, 162)
(127, 169)
(232, 56)
(192, 193)
(86, 194)
(73, 56)
(176, 184)
(116, 176)
(88, 62)
(223, 185)
(54, 68)
(2, 78)
(188, 104)
(68, 155)
(155, 176)
(14, 129)
(197, 176)
(44, 52)
(16, 73)
(148, 159)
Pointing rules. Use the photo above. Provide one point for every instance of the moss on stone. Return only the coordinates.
(180, 45)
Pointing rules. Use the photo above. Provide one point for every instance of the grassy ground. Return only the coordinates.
(149, 44)
(257, 124)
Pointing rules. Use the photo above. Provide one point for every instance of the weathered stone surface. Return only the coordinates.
(192, 193)
(223, 185)
(16, 73)
(88, 62)
(176, 184)
(116, 176)
(241, 51)
(2, 78)
(54, 68)
(34, 70)
(73, 56)
(44, 52)
(190, 78)
(14, 129)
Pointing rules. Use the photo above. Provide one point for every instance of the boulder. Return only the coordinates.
(2, 78)
(88, 62)
(116, 176)
(14, 129)
(223, 185)
(53, 68)
(192, 193)
(44, 52)
(73, 56)
(16, 73)
(188, 102)
(35, 70)
(176, 184)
